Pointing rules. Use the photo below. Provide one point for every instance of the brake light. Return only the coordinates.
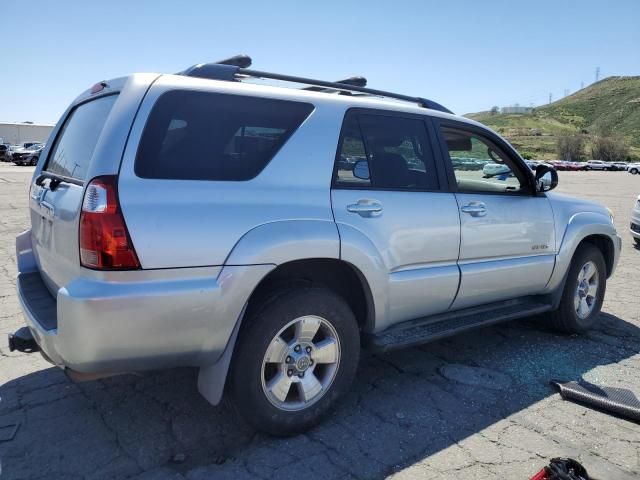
(104, 239)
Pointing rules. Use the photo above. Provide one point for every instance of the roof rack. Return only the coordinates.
(235, 68)
(356, 81)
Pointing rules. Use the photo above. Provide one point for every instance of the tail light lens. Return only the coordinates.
(104, 239)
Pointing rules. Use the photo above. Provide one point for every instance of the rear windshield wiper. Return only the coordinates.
(56, 179)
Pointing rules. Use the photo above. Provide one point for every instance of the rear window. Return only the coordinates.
(210, 136)
(74, 146)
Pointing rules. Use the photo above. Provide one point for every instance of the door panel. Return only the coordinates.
(418, 237)
(387, 187)
(507, 232)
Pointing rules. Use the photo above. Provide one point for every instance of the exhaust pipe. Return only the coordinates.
(22, 341)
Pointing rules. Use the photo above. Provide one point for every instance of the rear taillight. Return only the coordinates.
(104, 239)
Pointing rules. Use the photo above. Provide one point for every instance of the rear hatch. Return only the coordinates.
(88, 142)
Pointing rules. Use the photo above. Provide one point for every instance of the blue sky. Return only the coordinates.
(467, 55)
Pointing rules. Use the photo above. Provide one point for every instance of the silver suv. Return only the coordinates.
(264, 234)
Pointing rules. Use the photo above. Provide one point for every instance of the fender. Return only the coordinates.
(256, 254)
(580, 226)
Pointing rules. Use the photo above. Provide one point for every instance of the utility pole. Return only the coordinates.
(581, 85)
(566, 92)
(597, 73)
(550, 97)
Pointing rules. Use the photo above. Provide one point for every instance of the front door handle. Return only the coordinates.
(475, 209)
(365, 208)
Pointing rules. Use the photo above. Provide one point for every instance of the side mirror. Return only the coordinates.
(546, 178)
(361, 170)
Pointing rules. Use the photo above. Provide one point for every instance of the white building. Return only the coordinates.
(517, 109)
(19, 133)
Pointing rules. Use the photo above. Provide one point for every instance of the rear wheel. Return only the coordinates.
(637, 240)
(634, 171)
(583, 292)
(34, 161)
(296, 356)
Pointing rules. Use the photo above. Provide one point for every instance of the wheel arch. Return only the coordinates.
(585, 227)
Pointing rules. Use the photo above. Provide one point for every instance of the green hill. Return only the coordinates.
(610, 106)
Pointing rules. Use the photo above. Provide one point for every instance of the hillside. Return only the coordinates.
(611, 105)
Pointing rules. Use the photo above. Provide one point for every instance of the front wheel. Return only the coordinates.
(633, 171)
(295, 357)
(583, 292)
(637, 240)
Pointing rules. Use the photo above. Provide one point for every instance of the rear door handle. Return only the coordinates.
(365, 208)
(475, 209)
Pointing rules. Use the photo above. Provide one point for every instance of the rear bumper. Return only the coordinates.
(127, 321)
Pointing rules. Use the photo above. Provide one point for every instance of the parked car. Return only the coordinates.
(495, 170)
(633, 168)
(618, 166)
(635, 222)
(575, 166)
(252, 254)
(597, 165)
(5, 152)
(28, 155)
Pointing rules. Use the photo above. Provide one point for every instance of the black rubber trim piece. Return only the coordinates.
(423, 330)
(618, 401)
(38, 300)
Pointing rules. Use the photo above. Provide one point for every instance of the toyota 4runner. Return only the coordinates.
(264, 234)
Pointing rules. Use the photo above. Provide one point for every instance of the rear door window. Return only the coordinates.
(211, 136)
(72, 151)
(385, 152)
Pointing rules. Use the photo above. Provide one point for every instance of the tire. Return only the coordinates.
(34, 162)
(251, 373)
(587, 168)
(637, 240)
(566, 318)
(633, 171)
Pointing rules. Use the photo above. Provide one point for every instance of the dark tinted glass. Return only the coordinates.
(399, 152)
(210, 136)
(352, 163)
(73, 149)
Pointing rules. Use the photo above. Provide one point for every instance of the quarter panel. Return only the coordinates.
(180, 223)
(283, 241)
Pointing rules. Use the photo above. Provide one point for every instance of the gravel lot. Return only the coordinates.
(477, 406)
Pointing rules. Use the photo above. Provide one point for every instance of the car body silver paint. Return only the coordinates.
(417, 236)
(576, 219)
(516, 234)
(635, 218)
(144, 319)
(227, 236)
(56, 242)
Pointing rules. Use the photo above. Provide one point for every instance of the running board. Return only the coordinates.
(427, 329)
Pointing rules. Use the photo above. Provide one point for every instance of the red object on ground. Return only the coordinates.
(541, 475)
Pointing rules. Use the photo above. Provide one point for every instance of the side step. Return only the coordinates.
(427, 329)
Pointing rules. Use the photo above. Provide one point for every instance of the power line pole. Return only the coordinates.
(550, 97)
(597, 73)
(566, 92)
(581, 85)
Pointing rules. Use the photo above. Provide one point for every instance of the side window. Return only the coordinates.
(352, 163)
(386, 152)
(479, 165)
(193, 135)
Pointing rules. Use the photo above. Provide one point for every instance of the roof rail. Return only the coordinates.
(357, 81)
(232, 69)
